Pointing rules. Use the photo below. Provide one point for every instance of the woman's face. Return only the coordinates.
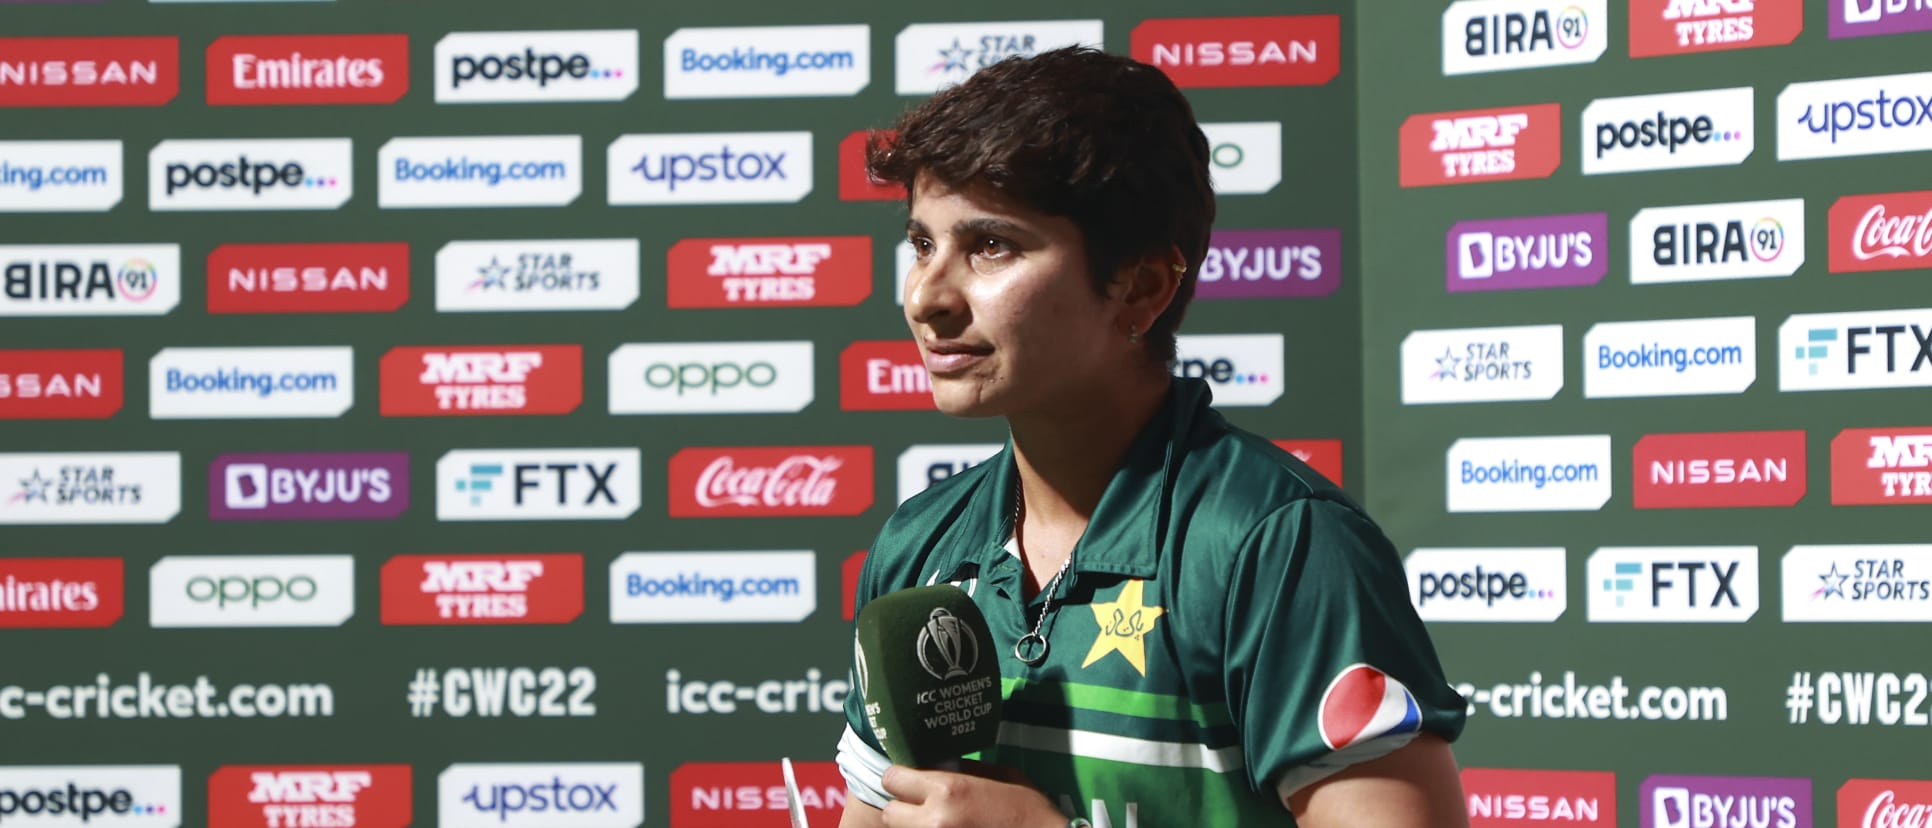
(1001, 305)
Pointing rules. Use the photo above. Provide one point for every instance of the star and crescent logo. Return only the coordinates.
(1124, 624)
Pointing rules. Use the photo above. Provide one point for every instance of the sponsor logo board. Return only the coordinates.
(1672, 131)
(251, 383)
(275, 796)
(1721, 470)
(115, 796)
(61, 592)
(1482, 364)
(1860, 349)
(1241, 369)
(1528, 252)
(1673, 584)
(1883, 803)
(1697, 801)
(483, 589)
(1881, 466)
(89, 279)
(728, 794)
(475, 380)
(1499, 144)
(1670, 357)
(60, 385)
(1877, 115)
(823, 271)
(89, 71)
(713, 587)
(311, 486)
(1529, 474)
(251, 591)
(308, 69)
(1885, 231)
(921, 466)
(1848, 583)
(928, 57)
(767, 62)
(537, 275)
(1500, 798)
(884, 375)
(855, 183)
(1271, 264)
(1864, 18)
(1244, 158)
(1500, 585)
(328, 277)
(1283, 50)
(1323, 456)
(1679, 27)
(91, 487)
(480, 171)
(710, 168)
(250, 174)
(1709, 242)
(61, 176)
(565, 795)
(539, 484)
(1507, 35)
(536, 67)
(783, 481)
(711, 377)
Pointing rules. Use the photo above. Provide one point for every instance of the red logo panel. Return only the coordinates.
(1881, 466)
(849, 582)
(463, 380)
(1718, 470)
(308, 278)
(1476, 145)
(826, 271)
(884, 375)
(1324, 456)
(61, 592)
(89, 71)
(1289, 50)
(308, 69)
(482, 589)
(60, 385)
(782, 481)
(854, 183)
(1673, 27)
(1509, 798)
(279, 796)
(752, 794)
(1884, 803)
(1886, 231)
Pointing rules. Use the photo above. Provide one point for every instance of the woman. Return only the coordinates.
(1193, 627)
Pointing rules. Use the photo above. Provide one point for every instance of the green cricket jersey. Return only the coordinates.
(1232, 628)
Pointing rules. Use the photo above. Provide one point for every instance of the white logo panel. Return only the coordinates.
(1679, 130)
(152, 795)
(251, 383)
(95, 487)
(536, 67)
(923, 465)
(1874, 583)
(1482, 364)
(928, 57)
(61, 176)
(476, 171)
(1855, 116)
(537, 275)
(1489, 585)
(252, 591)
(90, 279)
(1242, 369)
(539, 484)
(711, 377)
(712, 587)
(1709, 242)
(1244, 158)
(1673, 584)
(573, 795)
(1529, 474)
(1666, 358)
(1506, 35)
(251, 174)
(710, 168)
(767, 62)
(1861, 349)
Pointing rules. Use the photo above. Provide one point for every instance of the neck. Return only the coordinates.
(1066, 457)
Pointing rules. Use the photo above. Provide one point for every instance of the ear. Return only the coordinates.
(1147, 286)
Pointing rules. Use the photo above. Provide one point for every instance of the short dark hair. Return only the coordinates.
(1104, 140)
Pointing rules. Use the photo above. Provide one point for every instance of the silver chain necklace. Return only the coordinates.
(1032, 648)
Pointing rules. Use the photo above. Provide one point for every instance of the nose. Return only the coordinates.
(933, 295)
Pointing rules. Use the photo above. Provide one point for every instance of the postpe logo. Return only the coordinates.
(472, 380)
(1678, 27)
(767, 62)
(251, 591)
(1244, 158)
(1673, 357)
(711, 377)
(539, 484)
(89, 71)
(60, 385)
(1241, 369)
(1858, 583)
(928, 57)
(1488, 585)
(819, 271)
(536, 67)
(90, 488)
(270, 796)
(482, 589)
(713, 587)
(1710, 242)
(61, 176)
(1475, 145)
(1482, 364)
(123, 796)
(921, 466)
(61, 592)
(1881, 231)
(1529, 474)
(1286, 50)
(1720, 470)
(1881, 466)
(1864, 18)
(251, 383)
(311, 486)
(565, 795)
(1529, 252)
(1505, 35)
(89, 279)
(258, 174)
(1860, 349)
(308, 69)
(1709, 801)
(329, 277)
(537, 275)
(1271, 264)
(1877, 115)
(1679, 130)
(710, 168)
(1512, 798)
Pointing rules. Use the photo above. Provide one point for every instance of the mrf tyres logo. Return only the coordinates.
(536, 67)
(1673, 584)
(255, 174)
(1482, 364)
(565, 795)
(1242, 369)
(1863, 349)
(1872, 583)
(1475, 145)
(1530, 252)
(279, 796)
(1881, 466)
(1710, 242)
(448, 381)
(1504, 35)
(1670, 357)
(1529, 474)
(483, 589)
(1501, 585)
(1679, 130)
(710, 168)
(120, 796)
(1679, 27)
(1877, 115)
(1287, 50)
(1883, 231)
(89, 279)
(820, 271)
(711, 377)
(539, 484)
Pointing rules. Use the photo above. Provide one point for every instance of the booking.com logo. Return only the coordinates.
(756, 60)
(261, 384)
(1516, 472)
(493, 172)
(692, 585)
(1658, 356)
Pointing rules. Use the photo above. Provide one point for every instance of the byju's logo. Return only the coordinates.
(1881, 466)
(539, 484)
(257, 174)
(1668, 358)
(459, 380)
(1678, 27)
(60, 385)
(1531, 252)
(1709, 801)
(119, 796)
(89, 279)
(318, 486)
(1883, 582)
(928, 57)
(1271, 264)
(1242, 369)
(1675, 584)
(1867, 349)
(710, 168)
(923, 465)
(711, 378)
(884, 375)
(820, 271)
(1482, 364)
(250, 383)
(99, 488)
(1709, 242)
(252, 591)
(536, 67)
(1862, 18)
(331, 277)
(308, 69)
(1885, 231)
(1502, 35)
(75, 593)
(1244, 158)
(89, 71)
(60, 176)
(1855, 116)
(1708, 128)
(537, 275)
(1501, 144)
(497, 171)
(712, 587)
(1718, 470)
(483, 589)
(571, 795)
(1286, 50)
(366, 796)
(1529, 474)
(1488, 584)
(767, 62)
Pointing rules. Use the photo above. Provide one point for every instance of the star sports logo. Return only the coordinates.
(930, 56)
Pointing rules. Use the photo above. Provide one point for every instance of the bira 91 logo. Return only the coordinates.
(1863, 18)
(308, 69)
(1885, 231)
(1884, 803)
(331, 277)
(1678, 27)
(1324, 456)
(821, 271)
(61, 592)
(1525, 253)
(884, 375)
(1475, 145)
(316, 486)
(1271, 264)
(1712, 801)
(1197, 52)
(1719, 470)
(923, 465)
(1674, 131)
(89, 71)
(785, 481)
(89, 279)
(1881, 466)
(1505, 35)
(736, 794)
(280, 796)
(450, 381)
(482, 589)
(1511, 798)
(60, 385)
(1709, 242)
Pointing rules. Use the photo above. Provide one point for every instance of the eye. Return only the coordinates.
(921, 246)
(993, 247)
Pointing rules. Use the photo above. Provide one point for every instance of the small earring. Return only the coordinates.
(1179, 268)
(1133, 334)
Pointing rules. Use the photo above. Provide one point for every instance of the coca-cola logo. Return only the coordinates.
(1879, 234)
(1887, 812)
(1891, 231)
(818, 480)
(1885, 803)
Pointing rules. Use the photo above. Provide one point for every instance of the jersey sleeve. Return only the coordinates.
(860, 759)
(1326, 663)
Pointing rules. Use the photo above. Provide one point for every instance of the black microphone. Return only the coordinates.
(929, 675)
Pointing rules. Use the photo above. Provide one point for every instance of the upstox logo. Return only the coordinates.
(710, 168)
(251, 174)
(1709, 128)
(536, 67)
(1243, 369)
(1670, 357)
(1244, 158)
(496, 171)
(1529, 474)
(1502, 35)
(1867, 349)
(1877, 115)
(1709, 242)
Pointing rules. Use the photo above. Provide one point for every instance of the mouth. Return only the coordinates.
(952, 356)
